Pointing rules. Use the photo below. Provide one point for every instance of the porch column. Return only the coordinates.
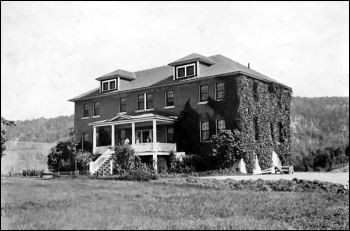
(94, 140)
(155, 163)
(132, 133)
(113, 138)
(154, 134)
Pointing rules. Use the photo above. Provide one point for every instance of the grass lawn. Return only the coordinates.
(105, 204)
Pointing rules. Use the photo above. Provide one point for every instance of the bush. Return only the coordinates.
(141, 173)
(227, 148)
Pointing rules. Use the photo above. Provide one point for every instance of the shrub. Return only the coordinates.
(32, 172)
(227, 148)
(141, 173)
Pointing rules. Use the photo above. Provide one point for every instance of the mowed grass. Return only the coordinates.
(100, 204)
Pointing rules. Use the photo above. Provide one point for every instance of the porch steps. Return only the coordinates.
(102, 165)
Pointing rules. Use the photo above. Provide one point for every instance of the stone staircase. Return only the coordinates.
(102, 166)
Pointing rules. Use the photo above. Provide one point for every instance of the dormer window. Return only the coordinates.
(188, 70)
(109, 85)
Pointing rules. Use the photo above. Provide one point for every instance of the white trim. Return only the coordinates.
(204, 102)
(185, 66)
(150, 109)
(169, 107)
(108, 81)
(96, 116)
(198, 69)
(84, 118)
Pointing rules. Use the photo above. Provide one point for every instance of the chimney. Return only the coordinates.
(248, 65)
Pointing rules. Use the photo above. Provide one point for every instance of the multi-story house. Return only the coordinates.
(141, 107)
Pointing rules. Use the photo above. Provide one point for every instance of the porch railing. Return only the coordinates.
(154, 147)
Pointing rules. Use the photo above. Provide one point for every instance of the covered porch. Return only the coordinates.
(148, 134)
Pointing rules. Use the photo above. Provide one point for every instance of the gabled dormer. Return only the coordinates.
(189, 66)
(112, 81)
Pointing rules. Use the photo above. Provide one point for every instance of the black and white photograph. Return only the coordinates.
(150, 115)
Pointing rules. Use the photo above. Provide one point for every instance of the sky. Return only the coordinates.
(53, 51)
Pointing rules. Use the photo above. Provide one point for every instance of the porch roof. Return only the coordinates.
(122, 118)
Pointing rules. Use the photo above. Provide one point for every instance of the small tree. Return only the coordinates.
(4, 138)
(125, 159)
(83, 159)
(227, 148)
(61, 156)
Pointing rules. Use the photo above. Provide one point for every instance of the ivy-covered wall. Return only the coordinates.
(264, 120)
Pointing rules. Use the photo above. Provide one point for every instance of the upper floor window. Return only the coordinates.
(220, 91)
(169, 98)
(204, 130)
(186, 70)
(141, 102)
(255, 91)
(149, 101)
(108, 85)
(86, 110)
(203, 93)
(122, 104)
(96, 108)
(220, 125)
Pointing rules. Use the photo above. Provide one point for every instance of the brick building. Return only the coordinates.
(143, 106)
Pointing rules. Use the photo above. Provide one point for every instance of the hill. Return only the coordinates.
(42, 129)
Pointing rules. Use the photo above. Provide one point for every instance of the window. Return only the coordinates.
(186, 70)
(280, 132)
(272, 132)
(190, 70)
(256, 128)
(105, 86)
(122, 104)
(220, 125)
(85, 137)
(96, 108)
(255, 91)
(141, 102)
(109, 85)
(203, 93)
(149, 102)
(169, 98)
(204, 130)
(181, 72)
(170, 134)
(220, 91)
(86, 110)
(103, 136)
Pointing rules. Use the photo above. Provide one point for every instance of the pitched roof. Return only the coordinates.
(118, 73)
(164, 75)
(192, 57)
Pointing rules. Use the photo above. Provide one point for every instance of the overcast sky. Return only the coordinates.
(53, 51)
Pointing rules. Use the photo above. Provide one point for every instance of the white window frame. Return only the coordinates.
(185, 66)
(108, 81)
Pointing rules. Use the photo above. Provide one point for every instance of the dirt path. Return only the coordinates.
(338, 177)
